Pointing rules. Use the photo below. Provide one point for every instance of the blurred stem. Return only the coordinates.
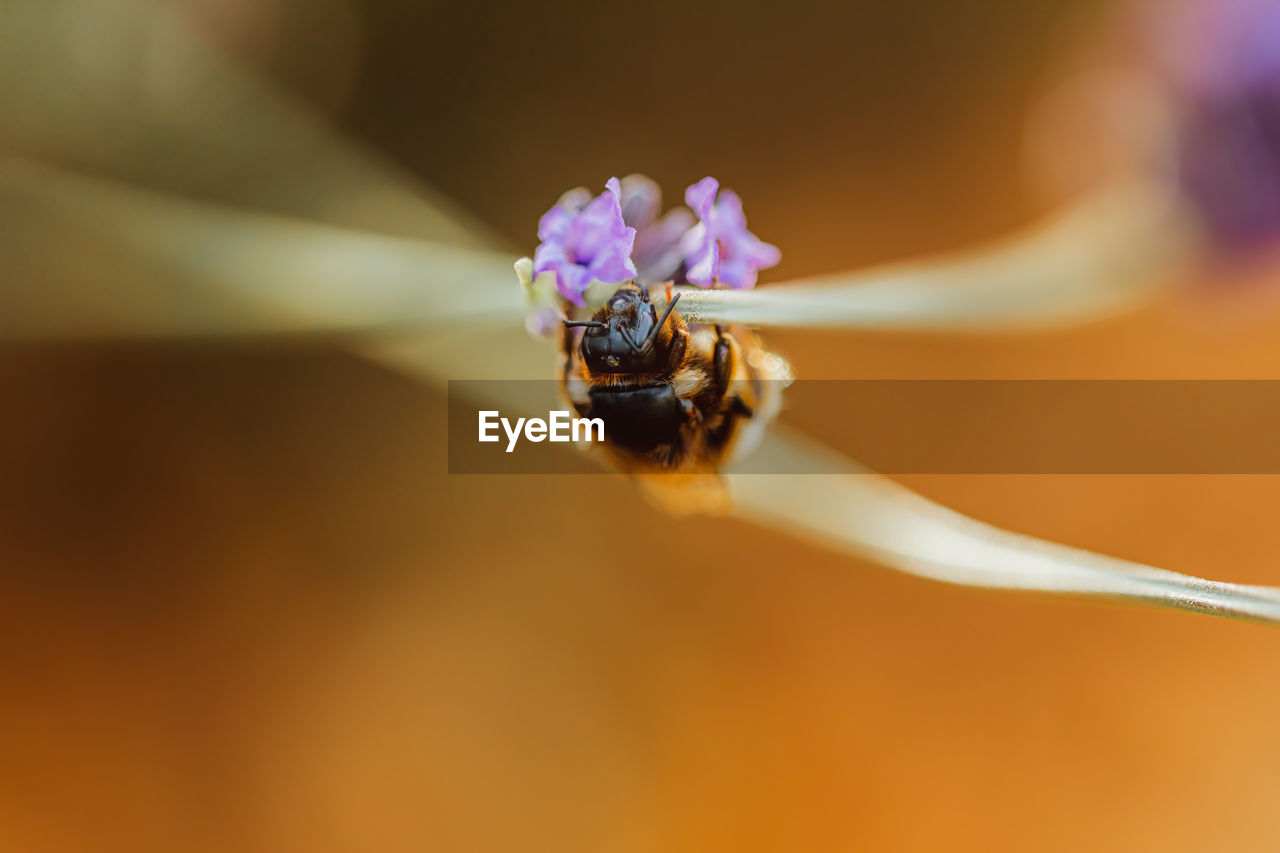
(87, 258)
(853, 510)
(129, 89)
(254, 273)
(1105, 254)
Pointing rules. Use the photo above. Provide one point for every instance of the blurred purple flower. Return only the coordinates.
(1222, 58)
(590, 243)
(720, 248)
(1219, 47)
(657, 247)
(1229, 166)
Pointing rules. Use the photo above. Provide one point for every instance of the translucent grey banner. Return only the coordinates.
(929, 427)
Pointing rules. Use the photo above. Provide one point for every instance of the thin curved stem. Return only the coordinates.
(116, 261)
(1104, 255)
(856, 511)
(129, 89)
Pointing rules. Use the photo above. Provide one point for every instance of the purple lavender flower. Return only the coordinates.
(592, 243)
(720, 248)
(657, 247)
(1222, 59)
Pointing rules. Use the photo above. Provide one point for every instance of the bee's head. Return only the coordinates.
(624, 337)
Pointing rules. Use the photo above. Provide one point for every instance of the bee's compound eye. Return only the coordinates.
(619, 303)
(611, 360)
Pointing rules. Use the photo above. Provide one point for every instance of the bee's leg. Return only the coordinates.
(691, 412)
(722, 364)
(679, 346)
(722, 374)
(734, 406)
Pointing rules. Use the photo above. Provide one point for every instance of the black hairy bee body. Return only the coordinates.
(674, 399)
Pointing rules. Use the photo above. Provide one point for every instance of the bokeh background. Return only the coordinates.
(244, 607)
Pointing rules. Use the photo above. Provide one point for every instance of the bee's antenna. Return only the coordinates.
(595, 324)
(653, 335)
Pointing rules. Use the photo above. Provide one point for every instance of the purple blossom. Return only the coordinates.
(622, 234)
(720, 248)
(1222, 60)
(586, 244)
(657, 247)
(1219, 47)
(1229, 166)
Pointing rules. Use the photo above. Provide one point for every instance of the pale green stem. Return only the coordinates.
(127, 88)
(853, 510)
(1104, 255)
(87, 258)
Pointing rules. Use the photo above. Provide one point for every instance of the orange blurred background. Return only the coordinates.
(244, 607)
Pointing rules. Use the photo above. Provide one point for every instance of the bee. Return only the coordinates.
(678, 402)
